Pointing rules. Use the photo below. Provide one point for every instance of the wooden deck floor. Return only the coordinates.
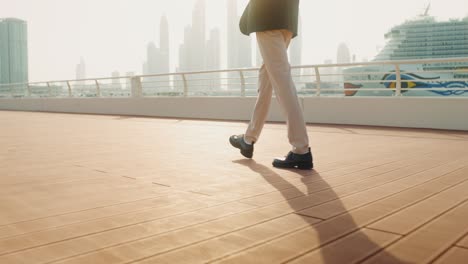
(110, 189)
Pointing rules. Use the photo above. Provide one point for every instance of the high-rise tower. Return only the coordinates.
(164, 44)
(343, 54)
(81, 70)
(232, 34)
(295, 49)
(198, 37)
(239, 48)
(13, 51)
(213, 47)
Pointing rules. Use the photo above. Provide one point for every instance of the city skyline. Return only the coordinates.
(118, 42)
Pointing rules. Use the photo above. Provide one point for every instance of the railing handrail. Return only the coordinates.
(393, 76)
(309, 66)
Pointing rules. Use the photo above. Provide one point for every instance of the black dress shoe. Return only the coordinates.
(295, 161)
(246, 150)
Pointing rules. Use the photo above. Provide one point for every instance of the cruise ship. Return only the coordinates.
(421, 38)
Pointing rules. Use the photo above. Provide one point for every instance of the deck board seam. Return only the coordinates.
(435, 258)
(406, 189)
(408, 205)
(230, 232)
(80, 211)
(191, 244)
(340, 185)
(129, 225)
(329, 219)
(370, 223)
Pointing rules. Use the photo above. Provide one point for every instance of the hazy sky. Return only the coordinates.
(112, 34)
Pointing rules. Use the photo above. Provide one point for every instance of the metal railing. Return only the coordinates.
(434, 77)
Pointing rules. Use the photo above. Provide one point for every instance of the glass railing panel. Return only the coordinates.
(84, 88)
(115, 87)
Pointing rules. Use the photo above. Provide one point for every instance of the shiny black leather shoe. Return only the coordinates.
(295, 161)
(246, 150)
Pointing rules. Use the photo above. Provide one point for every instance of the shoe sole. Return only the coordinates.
(299, 166)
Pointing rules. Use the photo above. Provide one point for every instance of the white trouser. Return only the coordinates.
(276, 74)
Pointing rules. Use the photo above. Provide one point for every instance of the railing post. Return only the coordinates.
(398, 80)
(185, 85)
(318, 80)
(98, 89)
(69, 89)
(48, 88)
(137, 90)
(242, 78)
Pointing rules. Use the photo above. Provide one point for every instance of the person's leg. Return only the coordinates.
(262, 107)
(273, 47)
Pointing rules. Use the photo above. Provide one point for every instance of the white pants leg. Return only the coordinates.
(275, 74)
(260, 113)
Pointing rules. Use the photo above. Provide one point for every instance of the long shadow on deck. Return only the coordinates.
(328, 256)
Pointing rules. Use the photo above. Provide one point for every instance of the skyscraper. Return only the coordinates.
(214, 46)
(328, 78)
(198, 37)
(239, 48)
(13, 51)
(153, 59)
(343, 54)
(153, 65)
(245, 51)
(232, 34)
(81, 70)
(295, 54)
(157, 60)
(213, 62)
(164, 44)
(184, 50)
(295, 49)
(192, 52)
(80, 74)
(164, 51)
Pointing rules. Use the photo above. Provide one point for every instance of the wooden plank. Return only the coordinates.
(160, 244)
(36, 239)
(309, 239)
(202, 228)
(464, 242)
(349, 249)
(218, 246)
(298, 204)
(336, 207)
(65, 198)
(344, 185)
(46, 246)
(151, 238)
(250, 184)
(301, 203)
(61, 220)
(455, 255)
(417, 215)
(428, 242)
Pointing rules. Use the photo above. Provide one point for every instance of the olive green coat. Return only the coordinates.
(264, 15)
